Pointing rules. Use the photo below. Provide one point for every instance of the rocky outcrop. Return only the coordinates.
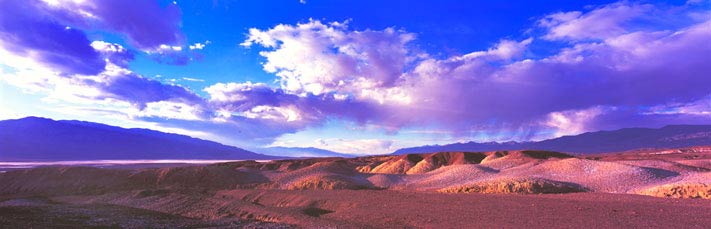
(680, 190)
(517, 186)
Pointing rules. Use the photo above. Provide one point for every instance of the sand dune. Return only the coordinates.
(450, 176)
(598, 176)
(323, 175)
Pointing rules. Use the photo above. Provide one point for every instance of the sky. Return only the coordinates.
(358, 77)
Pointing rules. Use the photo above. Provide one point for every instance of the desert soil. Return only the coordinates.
(365, 209)
(645, 188)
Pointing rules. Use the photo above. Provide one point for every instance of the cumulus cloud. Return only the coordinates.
(320, 58)
(609, 69)
(115, 83)
(43, 43)
(124, 85)
(573, 121)
(258, 100)
(48, 41)
(603, 22)
(636, 69)
(611, 20)
(607, 74)
(57, 37)
(173, 55)
(114, 53)
(148, 25)
(701, 107)
(44, 50)
(169, 110)
(359, 146)
(504, 50)
(193, 79)
(198, 45)
(119, 94)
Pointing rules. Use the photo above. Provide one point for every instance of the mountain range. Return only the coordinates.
(300, 152)
(672, 136)
(41, 139)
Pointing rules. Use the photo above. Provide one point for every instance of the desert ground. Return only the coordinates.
(642, 188)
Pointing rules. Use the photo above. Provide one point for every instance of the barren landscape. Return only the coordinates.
(642, 188)
(355, 114)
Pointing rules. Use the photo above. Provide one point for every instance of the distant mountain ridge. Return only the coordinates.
(34, 138)
(672, 136)
(300, 152)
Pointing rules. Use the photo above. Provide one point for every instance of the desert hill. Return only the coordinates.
(523, 171)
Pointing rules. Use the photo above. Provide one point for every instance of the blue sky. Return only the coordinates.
(444, 28)
(360, 77)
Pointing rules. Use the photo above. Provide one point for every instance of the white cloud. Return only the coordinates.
(198, 45)
(322, 58)
(112, 89)
(701, 107)
(169, 110)
(347, 146)
(488, 89)
(600, 23)
(231, 92)
(573, 122)
(282, 114)
(124, 115)
(377, 78)
(193, 79)
(504, 50)
(107, 47)
(164, 47)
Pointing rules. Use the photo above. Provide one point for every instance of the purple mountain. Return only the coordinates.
(673, 136)
(38, 139)
(301, 152)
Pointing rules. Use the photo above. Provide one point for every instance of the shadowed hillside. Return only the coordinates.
(35, 138)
